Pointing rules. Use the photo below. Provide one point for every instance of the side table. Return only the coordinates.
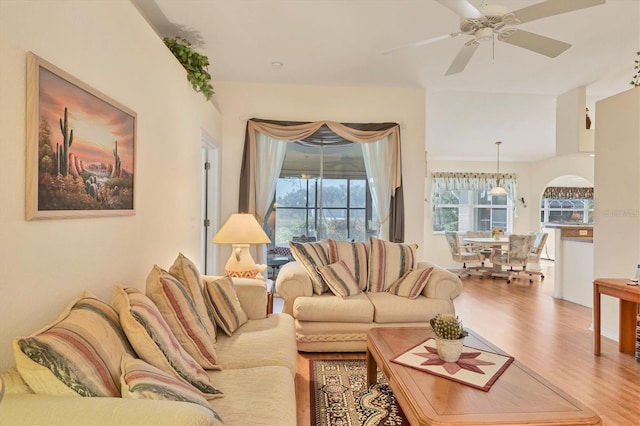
(629, 301)
(269, 284)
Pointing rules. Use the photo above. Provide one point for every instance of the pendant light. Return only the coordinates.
(498, 190)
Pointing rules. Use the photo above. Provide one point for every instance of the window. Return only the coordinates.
(345, 214)
(567, 205)
(461, 201)
(566, 211)
(470, 210)
(337, 205)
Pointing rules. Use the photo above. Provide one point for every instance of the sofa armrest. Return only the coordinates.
(442, 284)
(27, 409)
(291, 283)
(252, 294)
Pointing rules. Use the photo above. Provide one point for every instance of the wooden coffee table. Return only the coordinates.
(519, 396)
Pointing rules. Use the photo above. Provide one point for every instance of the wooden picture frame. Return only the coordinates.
(80, 148)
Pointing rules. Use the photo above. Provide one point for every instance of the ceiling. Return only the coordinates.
(341, 43)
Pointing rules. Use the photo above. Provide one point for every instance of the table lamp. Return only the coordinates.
(241, 230)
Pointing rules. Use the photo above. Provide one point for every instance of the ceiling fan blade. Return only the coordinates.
(422, 43)
(552, 7)
(462, 58)
(535, 42)
(462, 7)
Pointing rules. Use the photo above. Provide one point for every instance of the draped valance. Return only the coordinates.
(263, 139)
(570, 193)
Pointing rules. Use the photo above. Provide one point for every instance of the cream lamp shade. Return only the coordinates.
(241, 230)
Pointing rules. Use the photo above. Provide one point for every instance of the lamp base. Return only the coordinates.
(240, 263)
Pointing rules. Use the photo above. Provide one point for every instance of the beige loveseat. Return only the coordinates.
(326, 322)
(257, 378)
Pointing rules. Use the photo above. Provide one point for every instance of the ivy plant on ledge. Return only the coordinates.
(195, 63)
(635, 81)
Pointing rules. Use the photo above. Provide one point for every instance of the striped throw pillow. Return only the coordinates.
(312, 256)
(388, 262)
(154, 342)
(354, 255)
(140, 380)
(223, 302)
(179, 311)
(340, 279)
(189, 275)
(78, 354)
(411, 284)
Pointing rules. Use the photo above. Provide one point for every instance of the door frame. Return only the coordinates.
(209, 202)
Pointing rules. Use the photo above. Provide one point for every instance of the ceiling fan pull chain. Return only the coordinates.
(493, 49)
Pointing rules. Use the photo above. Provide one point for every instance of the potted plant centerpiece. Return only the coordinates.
(449, 336)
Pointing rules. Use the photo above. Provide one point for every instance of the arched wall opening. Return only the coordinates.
(563, 181)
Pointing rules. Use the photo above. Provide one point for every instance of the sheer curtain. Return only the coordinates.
(255, 181)
(378, 161)
(271, 154)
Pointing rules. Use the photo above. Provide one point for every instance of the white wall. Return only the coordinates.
(473, 121)
(108, 45)
(241, 101)
(616, 234)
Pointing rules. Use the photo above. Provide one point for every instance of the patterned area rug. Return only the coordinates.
(340, 396)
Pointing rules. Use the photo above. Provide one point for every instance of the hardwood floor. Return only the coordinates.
(552, 337)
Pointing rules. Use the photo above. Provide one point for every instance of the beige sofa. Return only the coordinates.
(328, 323)
(257, 377)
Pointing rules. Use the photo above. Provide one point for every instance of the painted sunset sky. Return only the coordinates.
(96, 124)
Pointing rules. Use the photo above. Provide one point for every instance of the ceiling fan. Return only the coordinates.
(487, 21)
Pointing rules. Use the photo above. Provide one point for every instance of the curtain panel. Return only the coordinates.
(451, 181)
(251, 179)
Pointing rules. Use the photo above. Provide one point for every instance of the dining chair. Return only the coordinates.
(516, 255)
(464, 254)
(536, 252)
(484, 251)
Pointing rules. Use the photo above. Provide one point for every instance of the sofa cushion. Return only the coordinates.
(339, 279)
(312, 256)
(189, 275)
(12, 382)
(388, 262)
(354, 255)
(260, 342)
(179, 310)
(390, 308)
(78, 354)
(328, 307)
(223, 302)
(256, 396)
(140, 380)
(153, 341)
(411, 284)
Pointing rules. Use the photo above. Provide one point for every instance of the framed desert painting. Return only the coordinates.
(80, 148)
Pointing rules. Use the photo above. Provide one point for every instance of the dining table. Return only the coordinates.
(495, 244)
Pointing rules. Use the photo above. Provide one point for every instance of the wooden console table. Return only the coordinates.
(629, 301)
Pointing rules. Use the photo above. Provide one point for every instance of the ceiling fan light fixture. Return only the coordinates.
(484, 34)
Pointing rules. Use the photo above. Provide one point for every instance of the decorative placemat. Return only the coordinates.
(476, 368)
